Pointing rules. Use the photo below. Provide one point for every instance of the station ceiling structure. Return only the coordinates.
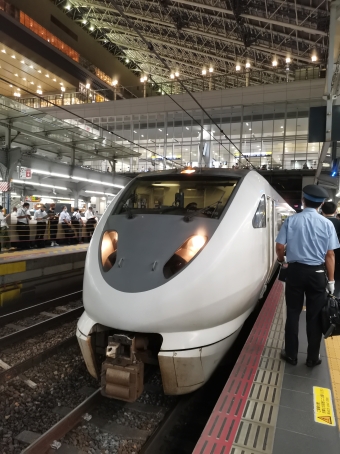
(270, 36)
(67, 141)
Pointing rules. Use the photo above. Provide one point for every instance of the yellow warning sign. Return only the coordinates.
(323, 406)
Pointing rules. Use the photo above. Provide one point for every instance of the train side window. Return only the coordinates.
(259, 219)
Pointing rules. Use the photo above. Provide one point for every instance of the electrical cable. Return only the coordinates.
(152, 49)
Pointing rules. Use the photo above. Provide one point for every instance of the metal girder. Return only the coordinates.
(190, 33)
(219, 32)
(308, 30)
(129, 38)
(215, 39)
(142, 11)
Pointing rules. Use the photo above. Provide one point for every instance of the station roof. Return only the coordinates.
(191, 35)
(37, 130)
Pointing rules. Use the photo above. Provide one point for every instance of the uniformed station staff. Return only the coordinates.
(310, 240)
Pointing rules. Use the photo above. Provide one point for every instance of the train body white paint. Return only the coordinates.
(190, 311)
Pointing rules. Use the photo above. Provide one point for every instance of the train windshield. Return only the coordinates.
(177, 195)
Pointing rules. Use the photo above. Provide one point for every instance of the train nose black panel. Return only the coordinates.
(145, 244)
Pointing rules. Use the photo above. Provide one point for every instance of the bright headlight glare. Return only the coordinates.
(109, 249)
(184, 255)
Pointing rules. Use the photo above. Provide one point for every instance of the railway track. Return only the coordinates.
(36, 329)
(37, 308)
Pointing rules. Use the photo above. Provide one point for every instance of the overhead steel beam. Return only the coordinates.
(308, 30)
(311, 31)
(265, 50)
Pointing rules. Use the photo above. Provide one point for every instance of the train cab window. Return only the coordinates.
(181, 195)
(259, 219)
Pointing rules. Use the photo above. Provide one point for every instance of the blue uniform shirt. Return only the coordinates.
(308, 236)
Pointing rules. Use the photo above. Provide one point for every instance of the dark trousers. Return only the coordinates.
(53, 229)
(39, 237)
(77, 230)
(24, 235)
(68, 233)
(310, 281)
(90, 225)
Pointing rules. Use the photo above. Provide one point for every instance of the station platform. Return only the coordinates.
(268, 406)
(47, 271)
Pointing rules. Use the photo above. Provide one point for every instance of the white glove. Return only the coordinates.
(283, 261)
(330, 287)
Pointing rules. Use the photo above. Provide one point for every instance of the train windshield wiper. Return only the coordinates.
(188, 217)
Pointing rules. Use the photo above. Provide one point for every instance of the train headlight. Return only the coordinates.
(184, 255)
(109, 249)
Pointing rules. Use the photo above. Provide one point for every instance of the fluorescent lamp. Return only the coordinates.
(59, 175)
(42, 172)
(78, 178)
(101, 193)
(33, 183)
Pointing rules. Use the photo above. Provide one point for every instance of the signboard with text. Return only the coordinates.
(25, 173)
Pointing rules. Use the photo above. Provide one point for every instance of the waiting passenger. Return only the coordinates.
(40, 216)
(23, 226)
(54, 219)
(13, 226)
(91, 222)
(77, 224)
(4, 238)
(65, 221)
(329, 211)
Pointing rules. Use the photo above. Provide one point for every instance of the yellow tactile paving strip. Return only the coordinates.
(13, 256)
(333, 355)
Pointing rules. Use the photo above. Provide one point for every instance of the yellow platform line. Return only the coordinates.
(333, 355)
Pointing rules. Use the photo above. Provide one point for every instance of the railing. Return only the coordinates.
(233, 79)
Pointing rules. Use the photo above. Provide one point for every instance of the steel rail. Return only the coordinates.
(35, 360)
(35, 309)
(65, 425)
(40, 327)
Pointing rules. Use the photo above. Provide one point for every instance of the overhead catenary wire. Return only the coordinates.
(153, 50)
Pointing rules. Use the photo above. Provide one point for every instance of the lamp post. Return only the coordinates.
(114, 84)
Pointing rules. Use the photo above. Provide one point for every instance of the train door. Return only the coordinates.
(270, 235)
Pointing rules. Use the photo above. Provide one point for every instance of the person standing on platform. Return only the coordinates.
(4, 238)
(40, 216)
(23, 227)
(310, 240)
(77, 224)
(13, 226)
(91, 222)
(53, 219)
(65, 221)
(329, 211)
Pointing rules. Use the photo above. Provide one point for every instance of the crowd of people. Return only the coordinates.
(71, 224)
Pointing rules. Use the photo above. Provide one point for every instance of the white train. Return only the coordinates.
(176, 264)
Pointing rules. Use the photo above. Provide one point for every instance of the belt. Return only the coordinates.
(305, 264)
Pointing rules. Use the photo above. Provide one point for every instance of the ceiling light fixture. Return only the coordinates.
(3, 51)
(172, 76)
(238, 67)
(211, 69)
(288, 60)
(247, 64)
(314, 58)
(114, 82)
(177, 74)
(62, 89)
(204, 72)
(274, 62)
(13, 56)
